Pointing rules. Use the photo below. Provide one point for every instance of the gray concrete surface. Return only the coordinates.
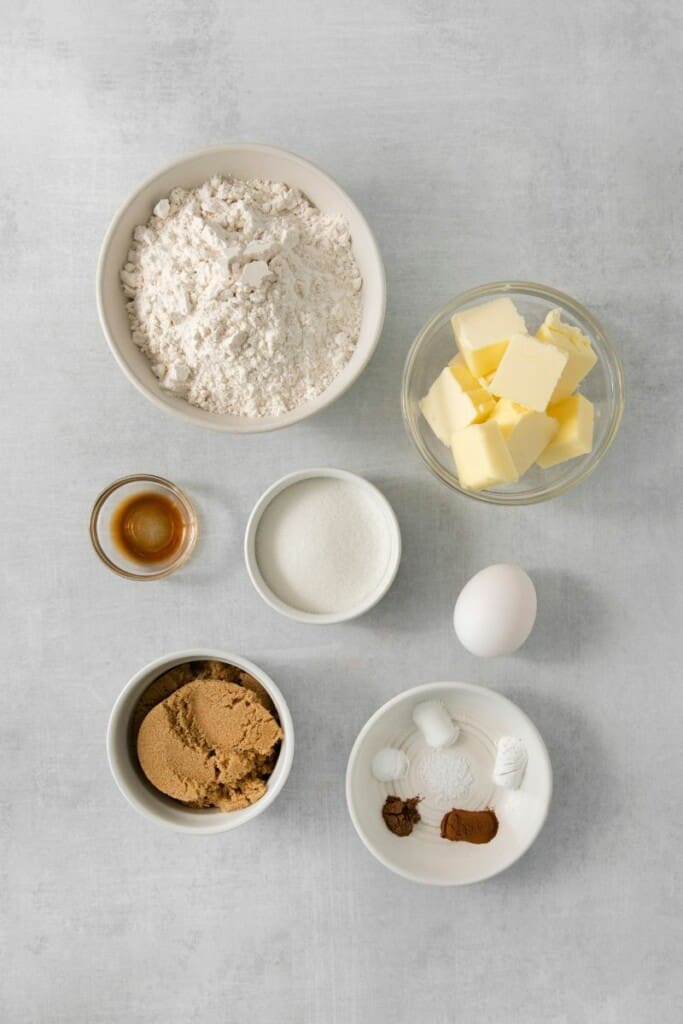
(535, 140)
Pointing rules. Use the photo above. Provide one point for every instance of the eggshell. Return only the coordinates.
(495, 611)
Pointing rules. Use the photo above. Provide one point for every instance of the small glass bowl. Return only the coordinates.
(101, 526)
(435, 346)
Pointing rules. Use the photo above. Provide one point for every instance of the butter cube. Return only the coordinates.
(463, 376)
(529, 437)
(507, 414)
(482, 333)
(481, 456)
(447, 407)
(574, 416)
(482, 402)
(529, 372)
(569, 339)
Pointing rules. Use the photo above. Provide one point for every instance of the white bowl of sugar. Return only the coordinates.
(245, 162)
(322, 546)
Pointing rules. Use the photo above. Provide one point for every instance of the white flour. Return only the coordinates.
(244, 296)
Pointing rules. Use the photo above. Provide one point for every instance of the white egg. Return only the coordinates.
(495, 611)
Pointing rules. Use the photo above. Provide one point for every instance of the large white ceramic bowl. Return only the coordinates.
(483, 716)
(241, 160)
(162, 809)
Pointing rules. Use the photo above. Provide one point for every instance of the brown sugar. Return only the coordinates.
(207, 734)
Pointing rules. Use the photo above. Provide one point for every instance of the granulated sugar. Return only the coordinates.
(322, 545)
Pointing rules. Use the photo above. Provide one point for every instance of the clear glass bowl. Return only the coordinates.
(102, 538)
(434, 347)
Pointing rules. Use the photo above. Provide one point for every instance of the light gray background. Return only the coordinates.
(482, 140)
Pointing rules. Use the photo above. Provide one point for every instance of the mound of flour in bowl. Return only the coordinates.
(245, 298)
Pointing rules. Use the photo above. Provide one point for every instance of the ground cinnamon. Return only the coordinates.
(469, 826)
(401, 815)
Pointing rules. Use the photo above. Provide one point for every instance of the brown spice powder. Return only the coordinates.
(469, 826)
(401, 815)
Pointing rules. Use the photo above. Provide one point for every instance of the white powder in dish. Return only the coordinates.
(444, 776)
(322, 545)
(389, 764)
(434, 722)
(511, 758)
(245, 298)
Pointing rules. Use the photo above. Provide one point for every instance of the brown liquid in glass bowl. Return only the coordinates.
(149, 527)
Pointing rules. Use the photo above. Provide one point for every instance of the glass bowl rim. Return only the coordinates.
(615, 370)
(184, 500)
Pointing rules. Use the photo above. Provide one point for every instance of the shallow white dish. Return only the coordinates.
(258, 575)
(483, 716)
(143, 796)
(241, 160)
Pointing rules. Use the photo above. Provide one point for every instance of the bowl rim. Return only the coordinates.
(257, 578)
(419, 691)
(219, 822)
(582, 313)
(161, 481)
(300, 413)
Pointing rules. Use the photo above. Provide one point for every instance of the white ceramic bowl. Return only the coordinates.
(259, 578)
(483, 716)
(242, 160)
(143, 796)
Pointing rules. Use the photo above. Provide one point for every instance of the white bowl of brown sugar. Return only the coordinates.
(200, 741)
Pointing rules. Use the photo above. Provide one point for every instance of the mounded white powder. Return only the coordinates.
(322, 545)
(511, 758)
(434, 722)
(245, 298)
(445, 776)
(389, 764)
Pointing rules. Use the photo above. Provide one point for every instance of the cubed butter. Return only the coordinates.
(481, 456)
(529, 372)
(447, 407)
(574, 436)
(507, 414)
(463, 376)
(530, 436)
(580, 355)
(482, 333)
